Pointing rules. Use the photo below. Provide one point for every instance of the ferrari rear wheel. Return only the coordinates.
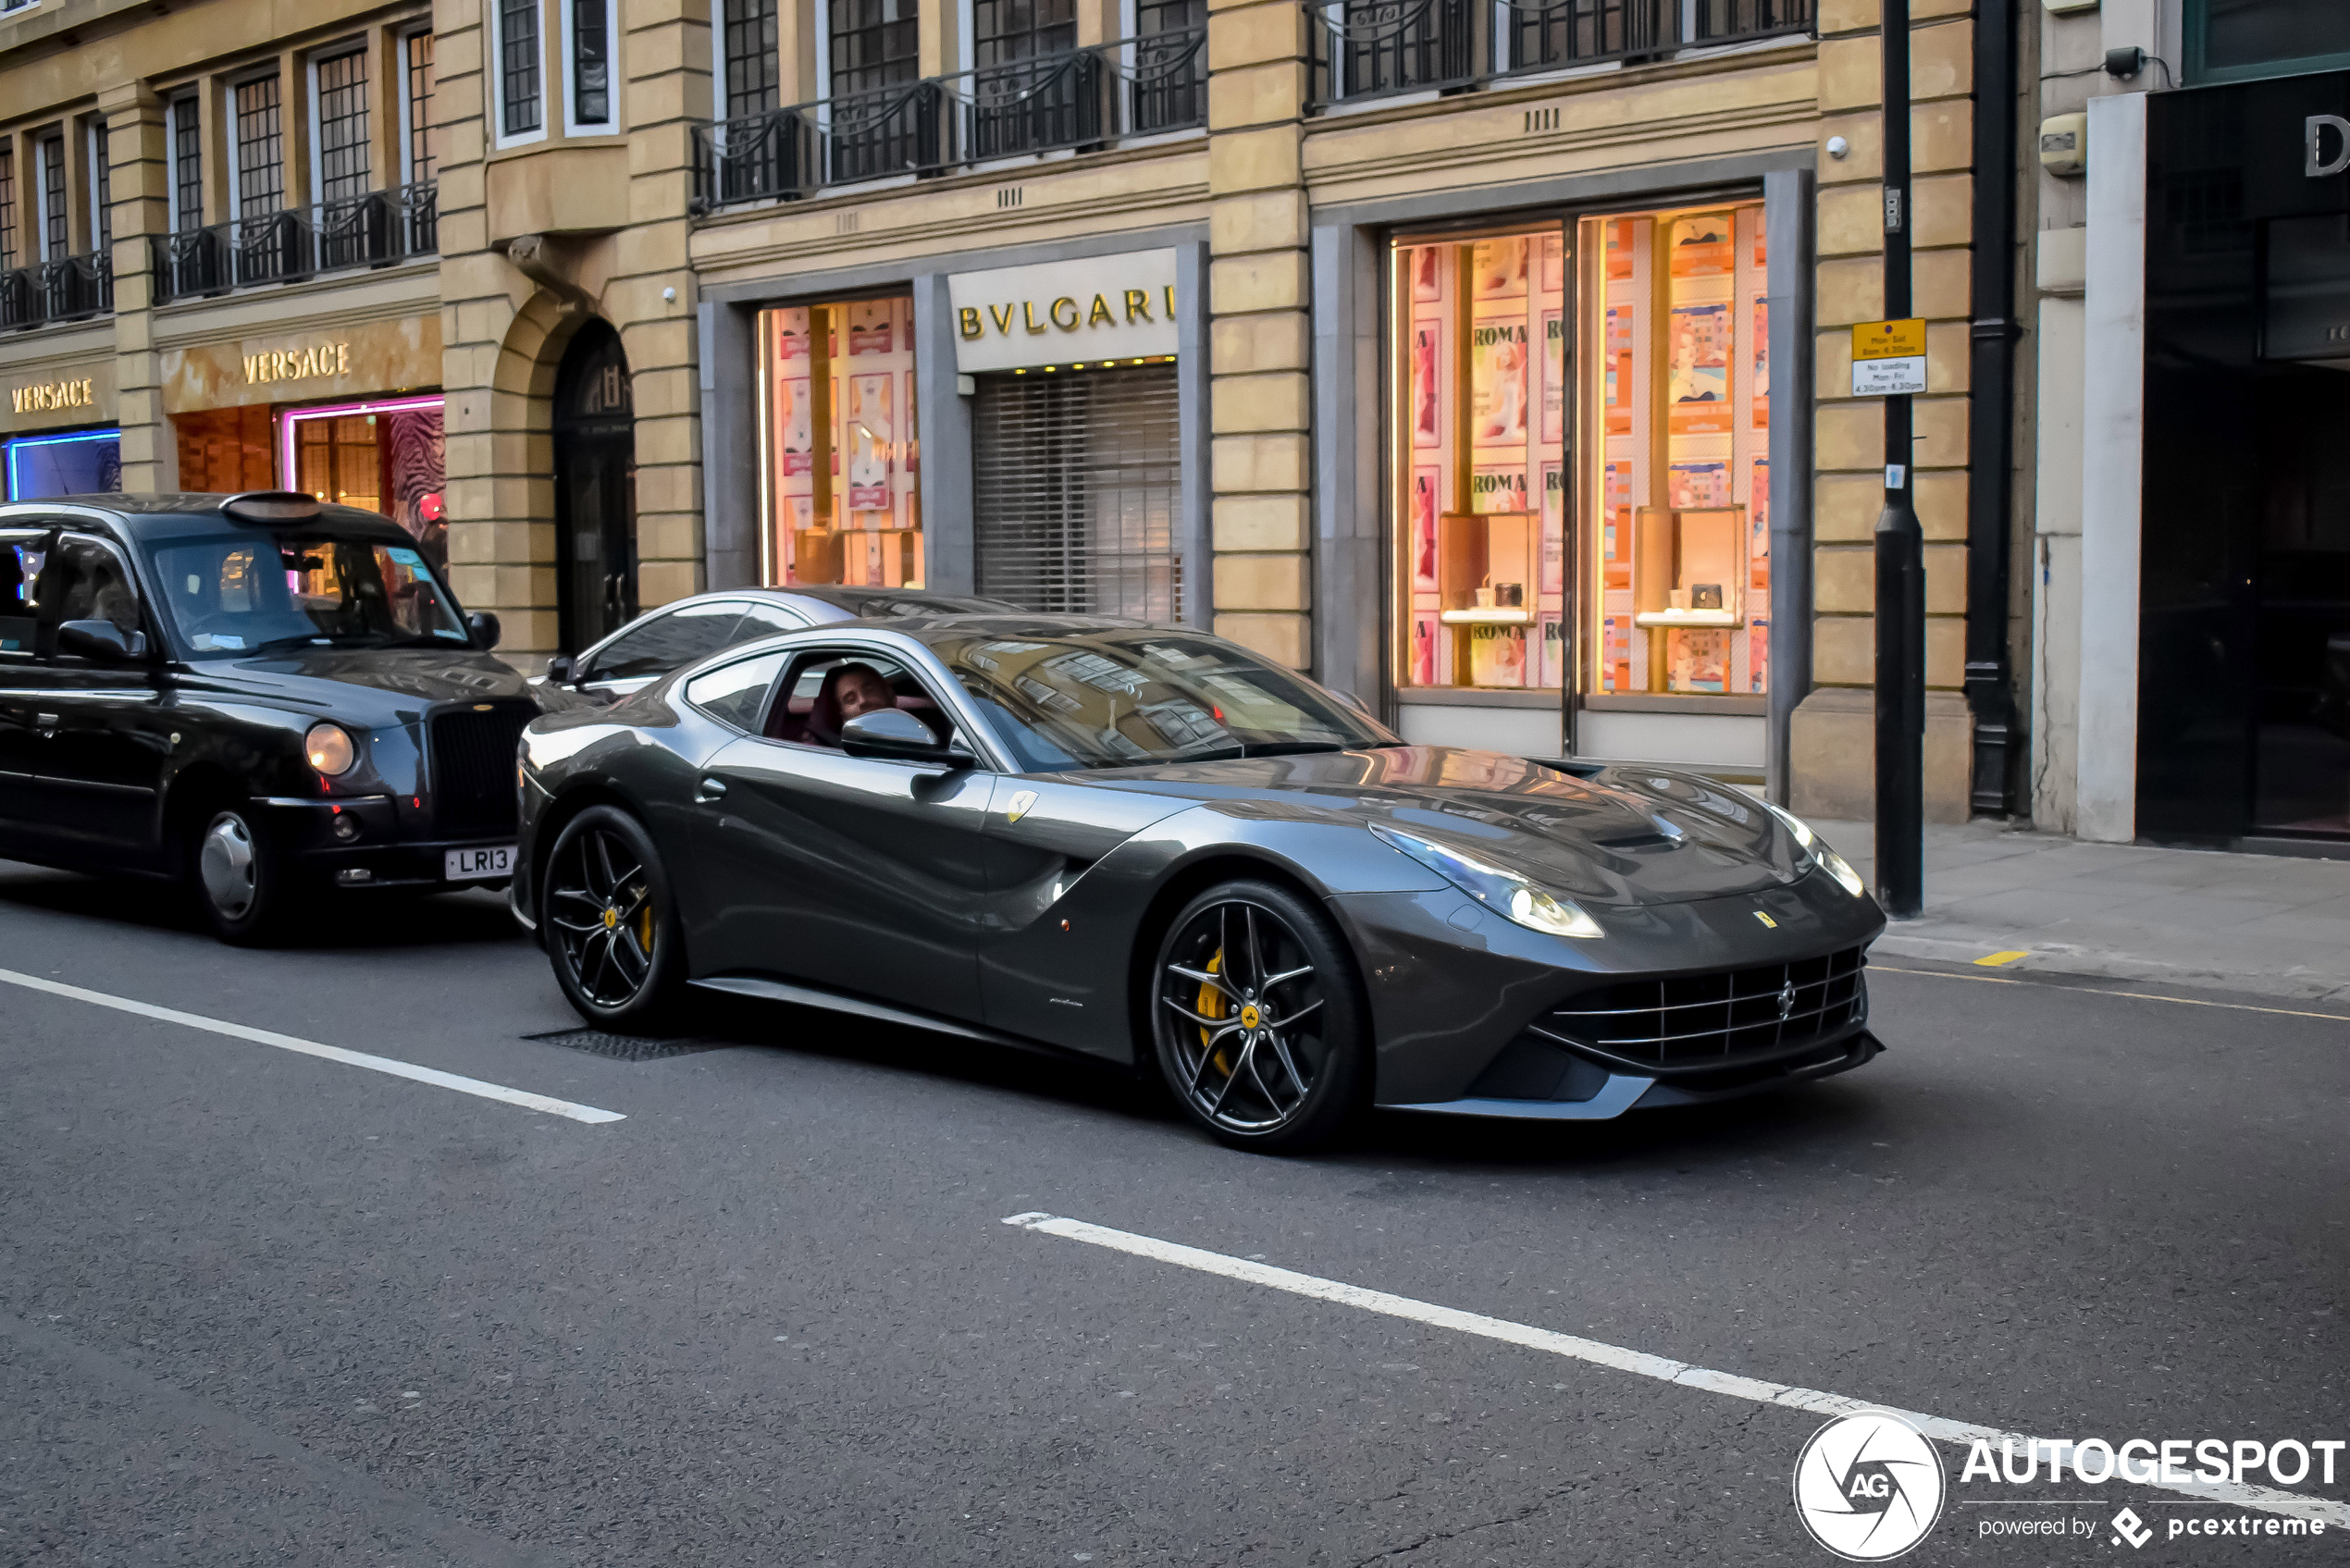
(611, 926)
(1259, 1033)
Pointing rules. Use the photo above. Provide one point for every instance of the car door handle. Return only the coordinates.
(710, 790)
(45, 721)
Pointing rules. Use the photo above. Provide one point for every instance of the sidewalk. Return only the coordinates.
(2268, 924)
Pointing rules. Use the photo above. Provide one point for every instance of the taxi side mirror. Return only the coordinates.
(101, 640)
(483, 628)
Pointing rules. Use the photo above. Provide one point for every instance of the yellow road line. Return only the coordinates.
(1998, 960)
(2133, 996)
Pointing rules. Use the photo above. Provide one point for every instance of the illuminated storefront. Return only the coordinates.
(1578, 521)
(71, 463)
(840, 456)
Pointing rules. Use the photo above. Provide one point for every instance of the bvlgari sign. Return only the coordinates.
(1093, 310)
(2319, 162)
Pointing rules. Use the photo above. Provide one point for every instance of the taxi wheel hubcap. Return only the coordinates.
(1241, 1015)
(600, 903)
(229, 865)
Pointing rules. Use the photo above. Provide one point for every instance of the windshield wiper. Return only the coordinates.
(1288, 748)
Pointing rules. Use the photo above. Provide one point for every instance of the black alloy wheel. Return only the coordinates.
(1256, 1018)
(611, 927)
(238, 877)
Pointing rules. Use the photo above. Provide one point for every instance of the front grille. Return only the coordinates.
(472, 754)
(1694, 1022)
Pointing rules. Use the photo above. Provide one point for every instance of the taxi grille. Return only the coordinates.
(472, 751)
(1693, 1022)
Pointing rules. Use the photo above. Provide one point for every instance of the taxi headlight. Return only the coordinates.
(1817, 847)
(330, 749)
(1505, 893)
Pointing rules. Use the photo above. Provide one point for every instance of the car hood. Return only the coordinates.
(1606, 835)
(378, 684)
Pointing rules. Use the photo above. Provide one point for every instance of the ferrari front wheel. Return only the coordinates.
(612, 925)
(1256, 1015)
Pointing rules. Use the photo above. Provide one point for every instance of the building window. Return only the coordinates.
(749, 57)
(101, 189)
(344, 159)
(873, 46)
(839, 452)
(518, 74)
(1006, 30)
(8, 207)
(417, 50)
(56, 242)
(1077, 484)
(2239, 40)
(1170, 64)
(186, 165)
(261, 159)
(590, 63)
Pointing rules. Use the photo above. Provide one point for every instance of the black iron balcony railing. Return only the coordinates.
(1081, 98)
(377, 230)
(67, 290)
(1371, 48)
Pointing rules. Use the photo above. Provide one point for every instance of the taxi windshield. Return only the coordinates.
(230, 594)
(1129, 695)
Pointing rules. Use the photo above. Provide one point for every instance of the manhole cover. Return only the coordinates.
(626, 1047)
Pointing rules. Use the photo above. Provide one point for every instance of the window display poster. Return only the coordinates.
(1758, 512)
(1619, 249)
(1424, 628)
(1554, 377)
(867, 440)
(1498, 489)
(796, 429)
(791, 333)
(1498, 267)
(1698, 484)
(1497, 381)
(1554, 265)
(1554, 530)
(1615, 653)
(1424, 264)
(1497, 655)
(1427, 483)
(1703, 246)
(1700, 373)
(870, 327)
(1618, 370)
(1758, 657)
(1761, 400)
(1427, 353)
(1701, 661)
(1616, 545)
(1549, 631)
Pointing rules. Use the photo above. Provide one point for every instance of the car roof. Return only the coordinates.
(168, 512)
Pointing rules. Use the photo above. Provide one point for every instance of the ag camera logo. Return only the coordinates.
(1869, 1485)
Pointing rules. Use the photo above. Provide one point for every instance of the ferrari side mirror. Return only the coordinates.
(559, 670)
(897, 736)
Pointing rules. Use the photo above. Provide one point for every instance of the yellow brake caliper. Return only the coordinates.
(1211, 1005)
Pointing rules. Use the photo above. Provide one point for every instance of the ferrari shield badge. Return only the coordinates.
(1021, 803)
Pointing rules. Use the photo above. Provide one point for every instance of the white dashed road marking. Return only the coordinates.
(2335, 1515)
(433, 1075)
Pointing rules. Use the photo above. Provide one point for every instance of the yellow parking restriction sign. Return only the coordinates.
(1888, 358)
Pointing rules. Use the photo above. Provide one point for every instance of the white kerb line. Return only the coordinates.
(1639, 1363)
(410, 1070)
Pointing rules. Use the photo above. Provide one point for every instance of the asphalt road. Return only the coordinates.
(260, 1307)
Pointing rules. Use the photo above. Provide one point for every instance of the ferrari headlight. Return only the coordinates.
(330, 749)
(1505, 893)
(1817, 847)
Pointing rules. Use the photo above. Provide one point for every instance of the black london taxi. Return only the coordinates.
(264, 699)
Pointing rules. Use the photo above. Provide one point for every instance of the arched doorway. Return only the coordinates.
(595, 429)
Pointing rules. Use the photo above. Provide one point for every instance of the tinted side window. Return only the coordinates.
(667, 641)
(733, 694)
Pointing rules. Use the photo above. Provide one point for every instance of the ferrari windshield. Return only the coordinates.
(1133, 695)
(235, 594)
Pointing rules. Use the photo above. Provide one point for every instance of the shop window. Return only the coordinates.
(80, 462)
(1675, 477)
(1479, 460)
(840, 452)
(1076, 488)
(2239, 40)
(388, 457)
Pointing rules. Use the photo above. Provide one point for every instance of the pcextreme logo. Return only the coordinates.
(1869, 1485)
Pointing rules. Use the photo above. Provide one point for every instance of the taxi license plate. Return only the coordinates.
(472, 865)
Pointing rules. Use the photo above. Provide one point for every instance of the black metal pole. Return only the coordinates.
(1990, 687)
(1901, 564)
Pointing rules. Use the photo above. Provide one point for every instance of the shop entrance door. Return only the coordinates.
(595, 488)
